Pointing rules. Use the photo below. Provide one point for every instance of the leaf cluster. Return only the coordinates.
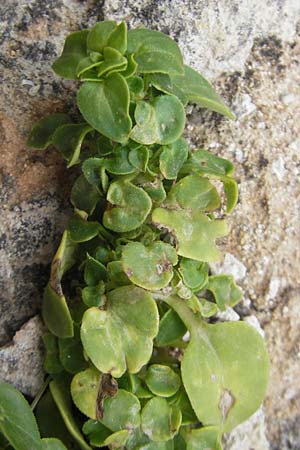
(131, 279)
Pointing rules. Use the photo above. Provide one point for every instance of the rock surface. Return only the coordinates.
(251, 51)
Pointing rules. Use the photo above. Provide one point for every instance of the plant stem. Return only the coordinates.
(40, 393)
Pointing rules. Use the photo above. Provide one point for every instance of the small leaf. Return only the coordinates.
(93, 296)
(99, 35)
(81, 230)
(162, 121)
(204, 439)
(96, 432)
(91, 170)
(139, 157)
(113, 62)
(116, 275)
(41, 134)
(118, 162)
(160, 421)
(125, 329)
(195, 233)
(154, 51)
(232, 367)
(55, 310)
(117, 440)
(149, 267)
(207, 308)
(84, 391)
(130, 69)
(128, 209)
(85, 65)
(52, 362)
(61, 396)
(17, 421)
(74, 50)
(224, 290)
(172, 158)
(52, 444)
(164, 83)
(171, 329)
(84, 196)
(118, 38)
(68, 140)
(71, 353)
(162, 380)
(204, 162)
(94, 271)
(194, 273)
(231, 192)
(105, 106)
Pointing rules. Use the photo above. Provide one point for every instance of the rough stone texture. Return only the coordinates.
(251, 51)
(22, 360)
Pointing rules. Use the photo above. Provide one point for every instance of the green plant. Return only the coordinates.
(131, 276)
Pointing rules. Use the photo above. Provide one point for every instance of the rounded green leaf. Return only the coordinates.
(172, 158)
(162, 380)
(105, 106)
(121, 411)
(124, 331)
(68, 139)
(93, 296)
(128, 209)
(154, 51)
(52, 444)
(232, 367)
(81, 230)
(42, 131)
(194, 273)
(17, 421)
(99, 35)
(118, 162)
(160, 122)
(91, 170)
(117, 440)
(195, 232)
(160, 421)
(74, 50)
(149, 267)
(84, 390)
(139, 158)
(194, 192)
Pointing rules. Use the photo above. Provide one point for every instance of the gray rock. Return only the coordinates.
(21, 361)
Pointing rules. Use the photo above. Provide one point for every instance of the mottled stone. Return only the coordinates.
(21, 361)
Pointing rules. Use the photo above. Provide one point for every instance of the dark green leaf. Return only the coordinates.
(52, 362)
(171, 329)
(96, 432)
(71, 352)
(91, 170)
(118, 162)
(68, 139)
(154, 51)
(17, 421)
(139, 158)
(94, 271)
(194, 273)
(99, 35)
(41, 134)
(52, 444)
(105, 106)
(118, 38)
(172, 158)
(74, 50)
(84, 196)
(81, 230)
(204, 162)
(93, 296)
(129, 206)
(113, 62)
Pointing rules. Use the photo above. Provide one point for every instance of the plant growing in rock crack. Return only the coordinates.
(131, 275)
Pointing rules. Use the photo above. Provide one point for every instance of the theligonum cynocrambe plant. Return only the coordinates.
(131, 276)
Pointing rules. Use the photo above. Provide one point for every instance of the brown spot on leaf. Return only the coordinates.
(108, 388)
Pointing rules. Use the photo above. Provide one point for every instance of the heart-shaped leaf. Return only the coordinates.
(17, 421)
(105, 106)
(204, 438)
(55, 310)
(69, 138)
(232, 367)
(162, 380)
(154, 51)
(194, 273)
(160, 122)
(149, 267)
(42, 131)
(194, 192)
(172, 158)
(225, 291)
(61, 395)
(125, 330)
(160, 421)
(195, 232)
(128, 209)
(74, 50)
(99, 35)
